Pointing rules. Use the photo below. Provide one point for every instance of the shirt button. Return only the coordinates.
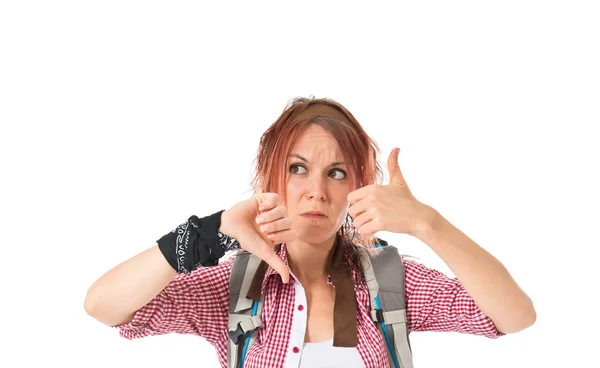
(295, 349)
(300, 307)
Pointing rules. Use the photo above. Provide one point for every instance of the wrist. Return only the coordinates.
(224, 226)
(428, 221)
(226, 239)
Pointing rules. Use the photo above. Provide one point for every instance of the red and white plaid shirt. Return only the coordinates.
(197, 303)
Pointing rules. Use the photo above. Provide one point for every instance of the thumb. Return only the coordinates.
(274, 261)
(396, 176)
(267, 254)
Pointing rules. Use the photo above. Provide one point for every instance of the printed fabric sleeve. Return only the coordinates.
(193, 303)
(227, 242)
(436, 302)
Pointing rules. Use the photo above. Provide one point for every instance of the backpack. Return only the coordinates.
(384, 273)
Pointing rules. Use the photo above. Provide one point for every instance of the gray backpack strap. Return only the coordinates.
(241, 322)
(384, 273)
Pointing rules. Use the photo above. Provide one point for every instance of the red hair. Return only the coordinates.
(359, 150)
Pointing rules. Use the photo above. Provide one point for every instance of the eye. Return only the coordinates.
(342, 172)
(297, 169)
(294, 168)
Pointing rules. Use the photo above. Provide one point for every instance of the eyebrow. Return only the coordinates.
(305, 160)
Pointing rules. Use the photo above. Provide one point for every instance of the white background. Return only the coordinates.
(121, 119)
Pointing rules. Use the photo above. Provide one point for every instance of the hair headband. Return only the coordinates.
(319, 109)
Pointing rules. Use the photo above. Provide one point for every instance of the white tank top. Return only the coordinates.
(325, 355)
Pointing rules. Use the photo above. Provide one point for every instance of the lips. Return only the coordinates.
(314, 213)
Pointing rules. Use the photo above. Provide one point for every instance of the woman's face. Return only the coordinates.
(317, 180)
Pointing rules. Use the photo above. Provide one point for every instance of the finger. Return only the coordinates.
(284, 236)
(358, 208)
(267, 201)
(278, 225)
(358, 194)
(370, 228)
(271, 215)
(396, 176)
(363, 218)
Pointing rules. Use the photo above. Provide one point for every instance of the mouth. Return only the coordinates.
(317, 215)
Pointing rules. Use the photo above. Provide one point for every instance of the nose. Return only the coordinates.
(317, 189)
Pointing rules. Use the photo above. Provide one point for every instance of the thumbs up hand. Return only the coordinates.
(389, 207)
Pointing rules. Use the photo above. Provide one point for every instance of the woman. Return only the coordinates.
(316, 195)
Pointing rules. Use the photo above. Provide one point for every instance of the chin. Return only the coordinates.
(314, 236)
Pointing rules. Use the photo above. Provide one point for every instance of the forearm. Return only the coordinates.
(484, 278)
(116, 295)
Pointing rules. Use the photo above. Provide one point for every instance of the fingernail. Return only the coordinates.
(259, 220)
(263, 228)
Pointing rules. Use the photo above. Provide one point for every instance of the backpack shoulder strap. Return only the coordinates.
(244, 313)
(384, 272)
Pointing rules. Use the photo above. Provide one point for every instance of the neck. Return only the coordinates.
(308, 262)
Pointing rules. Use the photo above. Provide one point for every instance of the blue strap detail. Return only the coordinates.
(387, 338)
(254, 309)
